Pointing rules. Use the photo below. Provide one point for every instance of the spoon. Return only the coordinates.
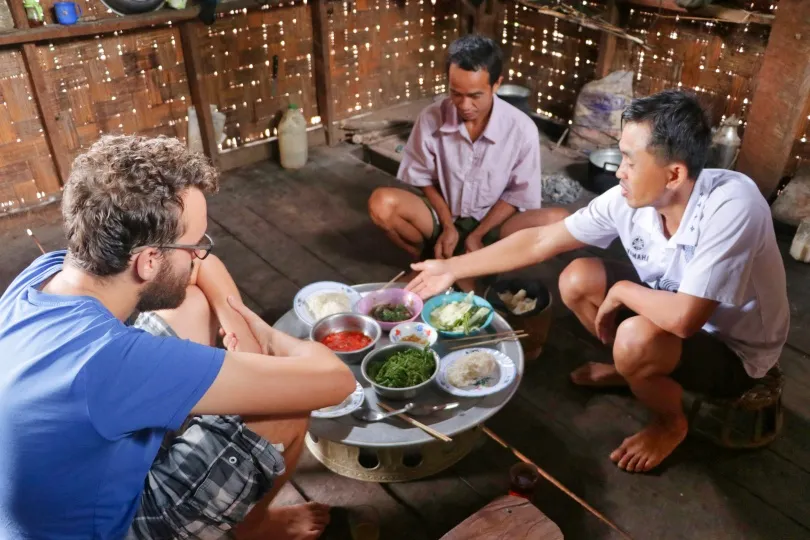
(371, 415)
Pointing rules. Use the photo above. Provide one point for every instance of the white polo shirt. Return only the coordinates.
(724, 249)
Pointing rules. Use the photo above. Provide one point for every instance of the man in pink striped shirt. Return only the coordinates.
(476, 160)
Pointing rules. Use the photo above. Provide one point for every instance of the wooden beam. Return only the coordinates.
(725, 14)
(780, 98)
(607, 44)
(190, 37)
(321, 12)
(55, 32)
(48, 113)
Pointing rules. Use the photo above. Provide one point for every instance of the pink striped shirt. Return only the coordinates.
(503, 164)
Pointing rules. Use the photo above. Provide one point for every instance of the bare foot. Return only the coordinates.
(650, 446)
(597, 375)
(296, 522)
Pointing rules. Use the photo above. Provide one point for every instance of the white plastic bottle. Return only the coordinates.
(292, 138)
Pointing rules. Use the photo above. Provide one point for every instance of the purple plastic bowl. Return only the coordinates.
(390, 296)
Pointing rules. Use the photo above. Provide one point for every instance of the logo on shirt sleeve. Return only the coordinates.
(637, 247)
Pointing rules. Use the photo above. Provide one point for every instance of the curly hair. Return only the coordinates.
(126, 192)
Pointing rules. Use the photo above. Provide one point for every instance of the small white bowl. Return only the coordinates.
(426, 334)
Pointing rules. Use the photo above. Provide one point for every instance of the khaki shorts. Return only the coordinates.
(707, 365)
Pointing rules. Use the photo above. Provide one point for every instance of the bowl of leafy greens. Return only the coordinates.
(400, 371)
(390, 307)
(458, 314)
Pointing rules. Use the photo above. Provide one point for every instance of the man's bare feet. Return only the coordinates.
(296, 522)
(599, 375)
(650, 446)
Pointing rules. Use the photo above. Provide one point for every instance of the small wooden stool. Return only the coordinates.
(764, 400)
(507, 518)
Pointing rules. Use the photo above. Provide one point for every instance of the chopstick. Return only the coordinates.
(429, 430)
(393, 280)
(555, 482)
(489, 342)
(488, 336)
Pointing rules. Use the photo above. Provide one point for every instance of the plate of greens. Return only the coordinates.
(400, 371)
(458, 314)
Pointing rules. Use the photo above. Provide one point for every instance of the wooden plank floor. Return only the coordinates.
(279, 230)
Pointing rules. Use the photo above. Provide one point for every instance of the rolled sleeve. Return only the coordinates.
(595, 224)
(418, 166)
(720, 268)
(525, 187)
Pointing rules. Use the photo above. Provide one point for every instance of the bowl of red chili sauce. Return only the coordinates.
(349, 335)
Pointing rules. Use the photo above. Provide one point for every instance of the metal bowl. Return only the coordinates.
(383, 354)
(351, 322)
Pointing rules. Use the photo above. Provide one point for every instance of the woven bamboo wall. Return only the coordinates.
(551, 57)
(719, 61)
(388, 51)
(128, 83)
(24, 155)
(237, 64)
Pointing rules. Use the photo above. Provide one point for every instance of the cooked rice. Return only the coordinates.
(471, 369)
(328, 303)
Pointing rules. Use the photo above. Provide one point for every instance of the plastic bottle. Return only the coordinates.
(292, 138)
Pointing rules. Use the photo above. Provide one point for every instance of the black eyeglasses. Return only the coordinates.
(200, 250)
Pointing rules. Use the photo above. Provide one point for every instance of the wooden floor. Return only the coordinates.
(278, 231)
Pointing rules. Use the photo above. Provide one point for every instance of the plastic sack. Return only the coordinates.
(598, 113)
(194, 137)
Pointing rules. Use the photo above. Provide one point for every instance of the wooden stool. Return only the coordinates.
(508, 517)
(764, 400)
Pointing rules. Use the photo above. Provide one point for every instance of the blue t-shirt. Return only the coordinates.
(84, 404)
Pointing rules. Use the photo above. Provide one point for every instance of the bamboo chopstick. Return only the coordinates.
(555, 482)
(429, 430)
(393, 280)
(489, 342)
(489, 336)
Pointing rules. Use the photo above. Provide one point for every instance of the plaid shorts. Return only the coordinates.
(207, 476)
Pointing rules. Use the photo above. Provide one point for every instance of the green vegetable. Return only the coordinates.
(391, 313)
(462, 316)
(404, 368)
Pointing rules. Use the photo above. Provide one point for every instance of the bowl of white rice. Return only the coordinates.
(320, 300)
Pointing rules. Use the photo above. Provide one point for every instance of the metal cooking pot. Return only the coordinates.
(602, 167)
(516, 95)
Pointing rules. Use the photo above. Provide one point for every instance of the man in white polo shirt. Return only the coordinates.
(704, 305)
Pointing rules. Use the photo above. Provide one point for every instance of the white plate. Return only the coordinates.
(349, 405)
(505, 376)
(300, 305)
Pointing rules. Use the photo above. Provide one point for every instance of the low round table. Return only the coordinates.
(392, 450)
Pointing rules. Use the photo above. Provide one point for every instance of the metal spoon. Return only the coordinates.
(371, 415)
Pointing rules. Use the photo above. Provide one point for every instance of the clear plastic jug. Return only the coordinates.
(292, 138)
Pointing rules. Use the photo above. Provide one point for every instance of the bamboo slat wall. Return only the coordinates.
(238, 53)
(551, 57)
(719, 61)
(130, 83)
(25, 161)
(388, 51)
(383, 52)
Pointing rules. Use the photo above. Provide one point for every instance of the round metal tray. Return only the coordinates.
(395, 433)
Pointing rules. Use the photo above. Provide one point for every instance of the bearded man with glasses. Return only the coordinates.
(145, 430)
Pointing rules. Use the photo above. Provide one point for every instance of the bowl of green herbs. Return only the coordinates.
(400, 371)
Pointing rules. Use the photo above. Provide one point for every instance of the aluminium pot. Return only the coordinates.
(602, 167)
(515, 95)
